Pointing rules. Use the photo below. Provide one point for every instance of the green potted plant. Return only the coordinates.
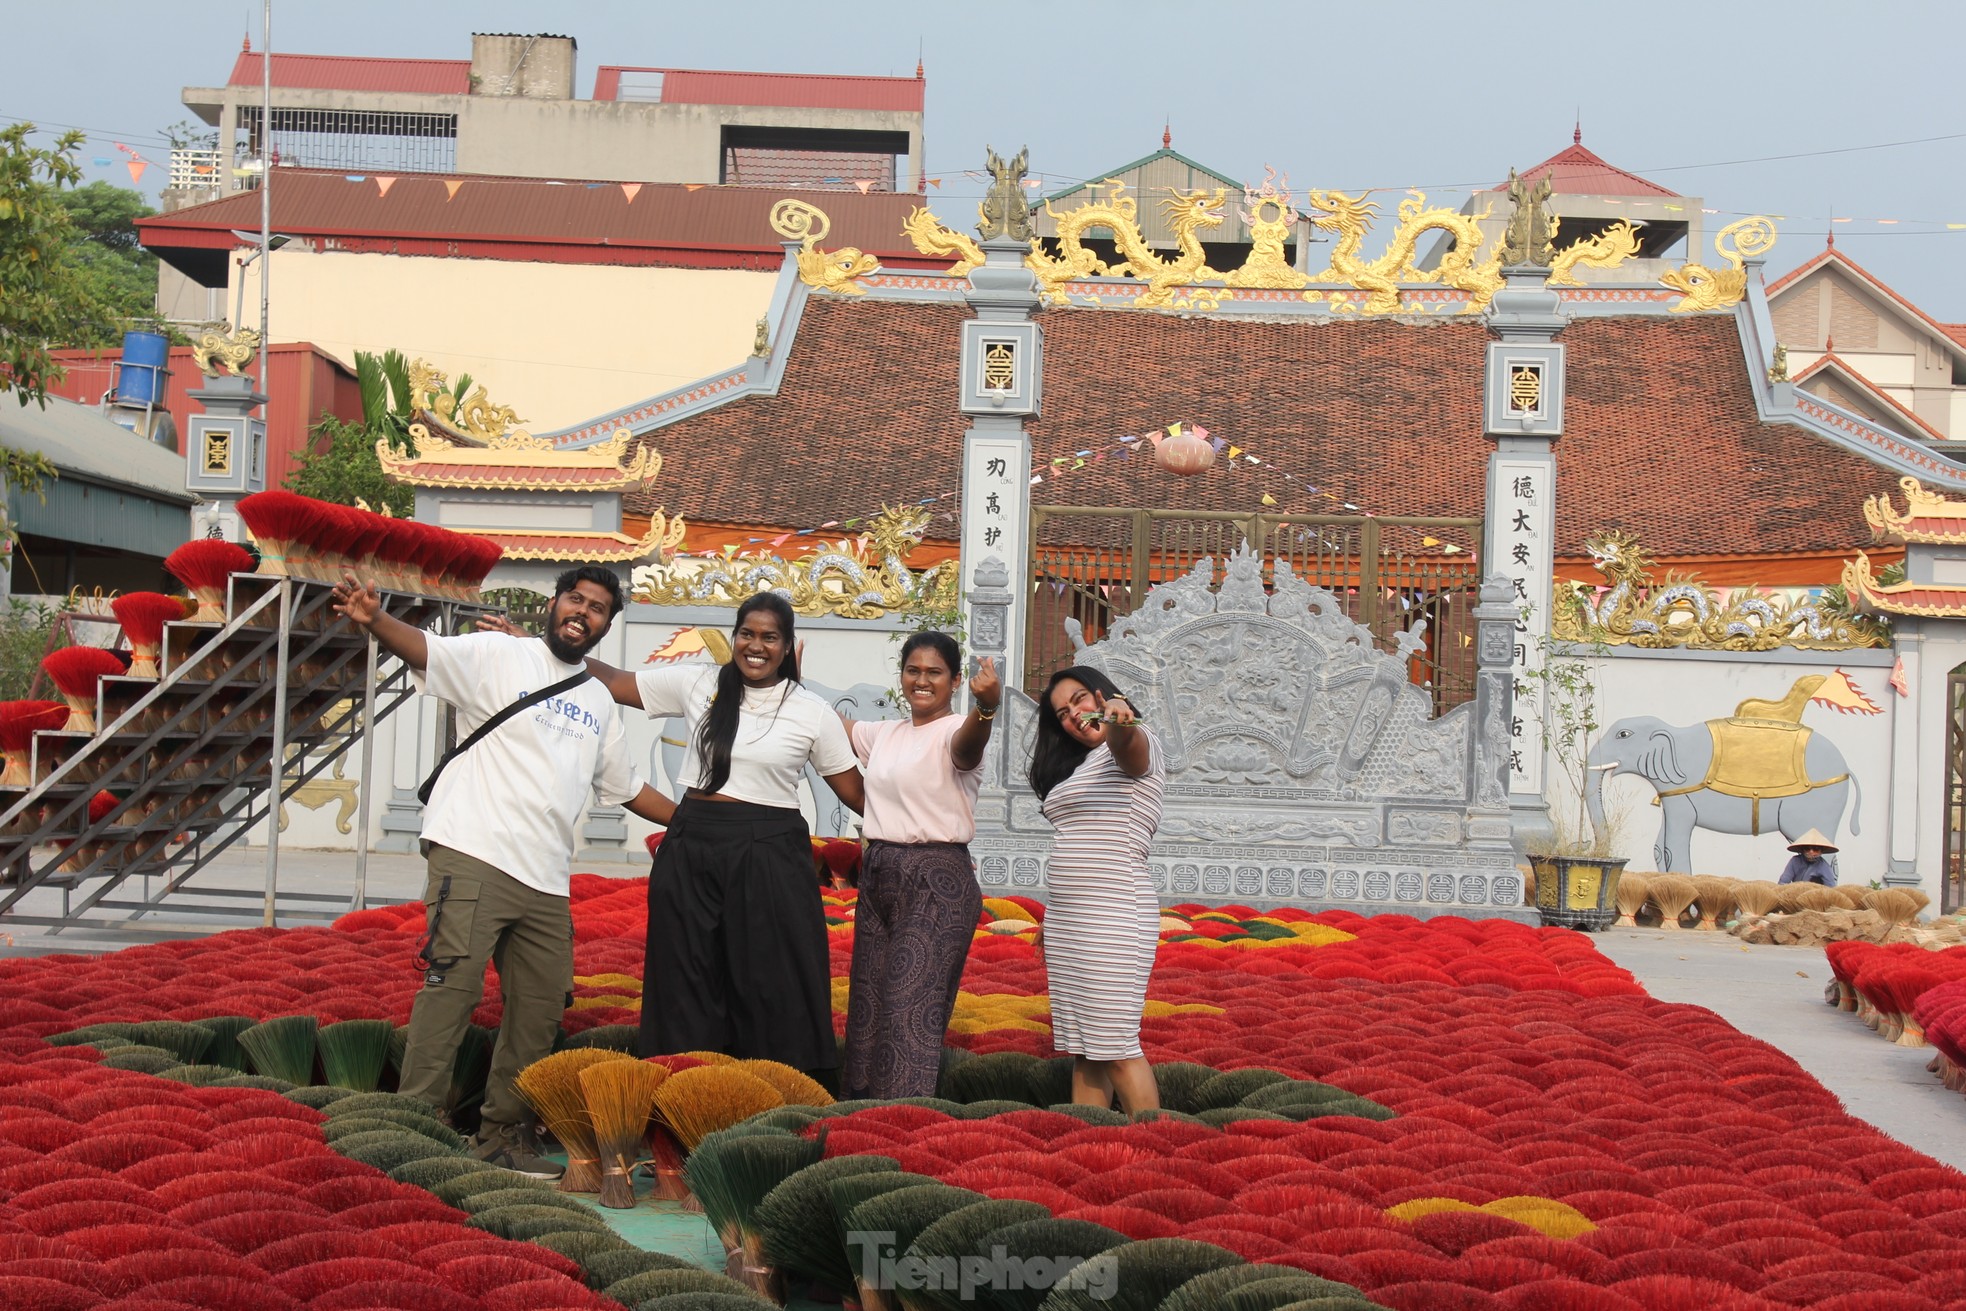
(1577, 865)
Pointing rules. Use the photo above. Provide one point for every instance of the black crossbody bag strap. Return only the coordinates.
(564, 685)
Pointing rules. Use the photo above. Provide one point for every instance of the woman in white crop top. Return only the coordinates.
(737, 958)
(919, 900)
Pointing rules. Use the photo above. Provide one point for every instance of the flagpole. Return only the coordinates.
(265, 177)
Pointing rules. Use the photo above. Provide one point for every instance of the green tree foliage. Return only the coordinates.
(106, 258)
(45, 302)
(341, 466)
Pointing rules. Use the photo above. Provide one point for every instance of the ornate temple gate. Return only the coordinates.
(1091, 564)
(1953, 892)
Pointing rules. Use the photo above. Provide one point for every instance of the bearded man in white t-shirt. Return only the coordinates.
(498, 836)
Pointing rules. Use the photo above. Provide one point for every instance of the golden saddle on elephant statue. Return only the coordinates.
(1759, 770)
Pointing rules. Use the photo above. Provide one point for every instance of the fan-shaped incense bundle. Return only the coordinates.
(143, 616)
(1715, 896)
(552, 1088)
(283, 1047)
(99, 806)
(1896, 905)
(336, 534)
(1788, 897)
(75, 671)
(842, 859)
(1755, 896)
(795, 1086)
(1672, 894)
(1633, 890)
(353, 1052)
(19, 722)
(478, 560)
(1814, 896)
(619, 1097)
(696, 1103)
(204, 567)
(282, 524)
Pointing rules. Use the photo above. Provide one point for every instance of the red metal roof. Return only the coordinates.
(1575, 171)
(693, 86)
(537, 220)
(437, 77)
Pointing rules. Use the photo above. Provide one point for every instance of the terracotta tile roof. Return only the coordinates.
(1896, 414)
(1580, 172)
(438, 77)
(1956, 331)
(1662, 433)
(535, 219)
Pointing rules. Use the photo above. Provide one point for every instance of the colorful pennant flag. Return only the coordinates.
(450, 189)
(631, 190)
(382, 185)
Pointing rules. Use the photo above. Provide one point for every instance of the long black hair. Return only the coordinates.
(718, 731)
(941, 643)
(1056, 753)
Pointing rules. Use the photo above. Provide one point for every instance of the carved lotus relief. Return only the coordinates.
(1236, 760)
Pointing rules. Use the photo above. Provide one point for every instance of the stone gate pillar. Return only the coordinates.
(1522, 414)
(1002, 387)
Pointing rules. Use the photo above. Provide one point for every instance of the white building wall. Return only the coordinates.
(1686, 687)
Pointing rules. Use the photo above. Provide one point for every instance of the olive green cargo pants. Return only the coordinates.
(473, 913)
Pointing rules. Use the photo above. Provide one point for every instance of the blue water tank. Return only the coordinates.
(146, 365)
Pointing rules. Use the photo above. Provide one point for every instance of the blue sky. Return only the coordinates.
(1739, 105)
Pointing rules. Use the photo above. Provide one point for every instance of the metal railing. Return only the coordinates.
(1095, 565)
(192, 758)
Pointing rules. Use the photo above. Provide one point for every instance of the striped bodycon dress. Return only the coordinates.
(1102, 915)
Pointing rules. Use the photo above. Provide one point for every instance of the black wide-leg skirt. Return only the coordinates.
(737, 959)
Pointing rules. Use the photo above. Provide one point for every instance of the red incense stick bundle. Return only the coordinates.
(75, 671)
(204, 567)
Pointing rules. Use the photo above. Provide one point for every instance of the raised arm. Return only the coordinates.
(360, 604)
(1123, 736)
(985, 695)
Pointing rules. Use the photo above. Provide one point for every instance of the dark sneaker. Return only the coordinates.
(515, 1148)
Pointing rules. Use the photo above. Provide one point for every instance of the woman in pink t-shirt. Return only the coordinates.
(919, 900)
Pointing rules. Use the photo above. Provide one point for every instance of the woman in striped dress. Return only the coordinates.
(1099, 776)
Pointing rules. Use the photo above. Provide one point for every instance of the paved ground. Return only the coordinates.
(1776, 994)
(1771, 993)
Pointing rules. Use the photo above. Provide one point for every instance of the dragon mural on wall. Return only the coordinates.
(862, 579)
(1682, 611)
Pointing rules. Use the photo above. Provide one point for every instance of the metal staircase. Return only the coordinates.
(192, 758)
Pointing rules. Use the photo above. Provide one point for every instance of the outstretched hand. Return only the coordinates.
(1116, 712)
(986, 688)
(492, 623)
(356, 601)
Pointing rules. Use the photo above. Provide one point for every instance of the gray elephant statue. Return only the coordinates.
(831, 817)
(1759, 771)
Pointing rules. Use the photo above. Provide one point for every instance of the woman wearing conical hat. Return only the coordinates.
(1811, 863)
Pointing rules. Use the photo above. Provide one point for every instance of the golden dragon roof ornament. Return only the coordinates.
(824, 270)
(1183, 280)
(1704, 288)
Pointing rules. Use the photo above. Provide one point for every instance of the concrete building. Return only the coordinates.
(114, 509)
(565, 299)
(1589, 196)
(1855, 342)
(511, 109)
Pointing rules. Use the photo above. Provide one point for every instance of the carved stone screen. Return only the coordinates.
(1303, 765)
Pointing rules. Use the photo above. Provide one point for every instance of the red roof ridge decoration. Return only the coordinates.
(1570, 167)
(589, 546)
(1953, 335)
(449, 458)
(1830, 361)
(1930, 517)
(1926, 600)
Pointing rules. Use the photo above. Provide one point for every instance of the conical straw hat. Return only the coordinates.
(1813, 838)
